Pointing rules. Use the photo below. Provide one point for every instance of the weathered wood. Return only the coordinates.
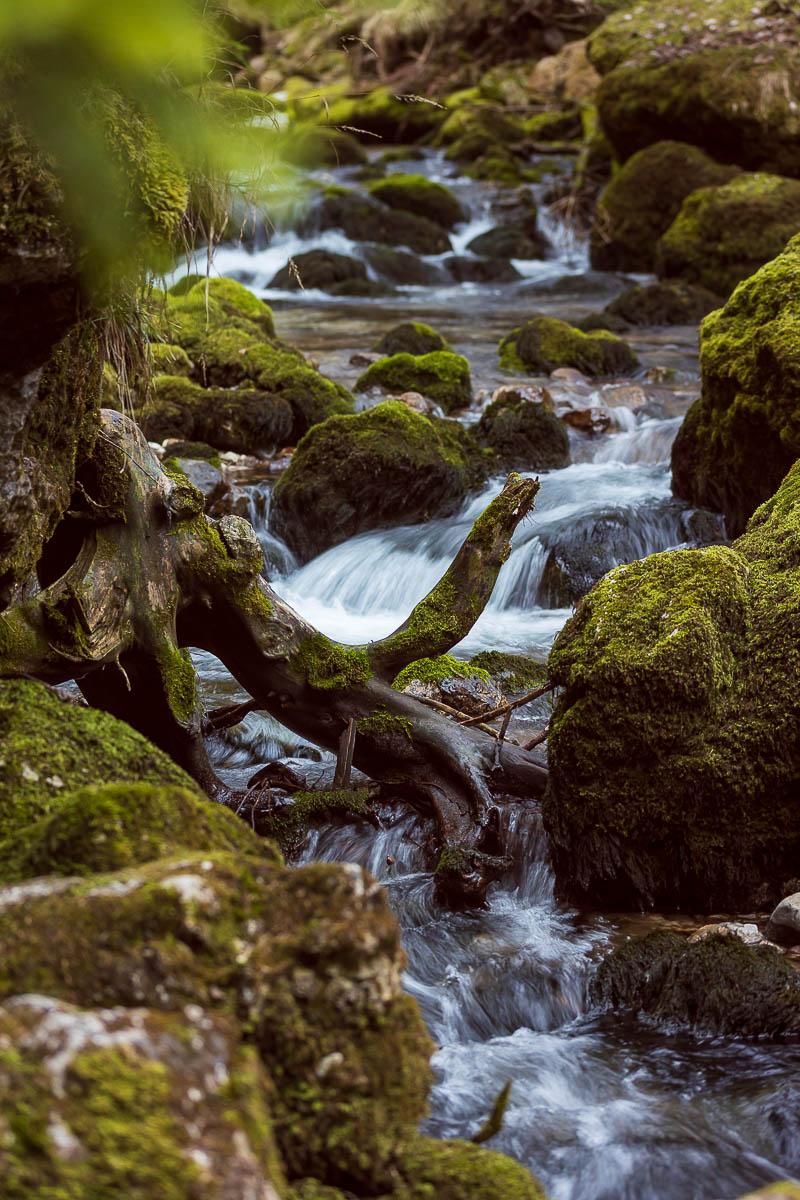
(344, 759)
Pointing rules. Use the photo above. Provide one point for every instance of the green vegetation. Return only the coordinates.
(512, 672)
(440, 375)
(524, 432)
(544, 343)
(435, 670)
(416, 194)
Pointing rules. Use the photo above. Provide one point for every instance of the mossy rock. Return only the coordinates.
(323, 146)
(113, 826)
(543, 344)
(741, 437)
(524, 432)
(421, 196)
(364, 219)
(290, 822)
(643, 199)
(411, 337)
(470, 132)
(562, 125)
(669, 302)
(437, 670)
(242, 419)
(229, 335)
(386, 466)
(51, 747)
(512, 672)
(509, 241)
(398, 266)
(711, 95)
(456, 1170)
(723, 234)
(195, 450)
(716, 985)
(441, 376)
(381, 114)
(674, 760)
(319, 269)
(170, 360)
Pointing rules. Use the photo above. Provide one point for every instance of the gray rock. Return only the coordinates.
(207, 478)
(784, 924)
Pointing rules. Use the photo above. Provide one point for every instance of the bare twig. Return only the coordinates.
(510, 705)
(344, 760)
(228, 716)
(533, 742)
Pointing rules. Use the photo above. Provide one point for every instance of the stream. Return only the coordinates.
(601, 1107)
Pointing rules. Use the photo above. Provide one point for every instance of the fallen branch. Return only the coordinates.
(533, 742)
(510, 705)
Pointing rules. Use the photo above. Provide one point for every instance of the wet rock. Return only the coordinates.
(745, 932)
(670, 302)
(512, 673)
(387, 466)
(522, 429)
(402, 268)
(365, 220)
(480, 270)
(243, 419)
(784, 924)
(470, 132)
(718, 985)
(558, 125)
(518, 208)
(319, 146)
(644, 198)
(419, 403)
(318, 269)
(668, 653)
(440, 375)
(566, 76)
(741, 437)
(411, 337)
(460, 685)
(380, 113)
(509, 241)
(420, 196)
(207, 478)
(592, 419)
(723, 234)
(543, 344)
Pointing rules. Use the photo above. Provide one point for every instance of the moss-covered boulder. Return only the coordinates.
(674, 757)
(387, 466)
(643, 199)
(440, 375)
(243, 419)
(509, 241)
(472, 131)
(456, 1170)
(723, 77)
(320, 145)
(716, 985)
(51, 747)
(398, 266)
(321, 269)
(411, 337)
(461, 685)
(513, 673)
(723, 234)
(743, 434)
(229, 337)
(543, 344)
(668, 302)
(381, 113)
(364, 219)
(421, 196)
(523, 430)
(114, 826)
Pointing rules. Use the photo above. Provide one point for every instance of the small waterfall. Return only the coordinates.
(648, 442)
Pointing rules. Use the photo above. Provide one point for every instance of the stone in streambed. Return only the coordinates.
(383, 467)
(421, 196)
(521, 428)
(440, 375)
(480, 270)
(243, 419)
(543, 344)
(364, 219)
(411, 337)
(668, 302)
(318, 269)
(398, 266)
(718, 985)
(509, 241)
(461, 685)
(784, 924)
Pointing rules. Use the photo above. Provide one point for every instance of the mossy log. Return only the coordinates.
(136, 573)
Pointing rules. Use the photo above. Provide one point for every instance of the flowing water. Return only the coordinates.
(600, 1107)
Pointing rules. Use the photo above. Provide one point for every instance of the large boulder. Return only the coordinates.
(319, 269)
(381, 113)
(411, 337)
(364, 219)
(669, 302)
(743, 434)
(674, 755)
(723, 234)
(421, 196)
(242, 419)
(716, 985)
(643, 199)
(523, 430)
(509, 241)
(229, 337)
(543, 344)
(723, 76)
(440, 375)
(386, 466)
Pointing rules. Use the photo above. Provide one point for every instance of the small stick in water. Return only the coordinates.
(494, 1122)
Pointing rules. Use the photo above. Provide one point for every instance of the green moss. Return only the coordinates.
(381, 113)
(455, 1170)
(170, 360)
(421, 196)
(742, 436)
(329, 666)
(243, 419)
(195, 450)
(50, 747)
(558, 126)
(440, 375)
(385, 466)
(111, 827)
(289, 823)
(382, 725)
(643, 199)
(723, 234)
(470, 132)
(545, 343)
(513, 672)
(434, 670)
(411, 337)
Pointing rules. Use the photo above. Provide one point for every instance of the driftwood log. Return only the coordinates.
(136, 573)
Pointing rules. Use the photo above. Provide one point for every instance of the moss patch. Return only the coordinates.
(440, 375)
(545, 343)
(420, 195)
(434, 670)
(411, 337)
(524, 432)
